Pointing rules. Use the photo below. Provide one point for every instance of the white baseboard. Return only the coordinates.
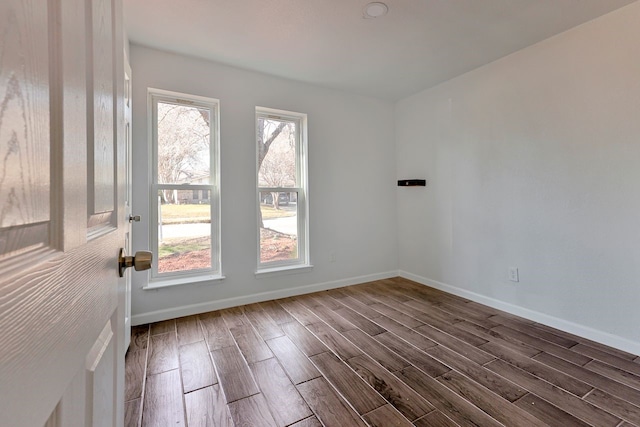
(188, 310)
(554, 322)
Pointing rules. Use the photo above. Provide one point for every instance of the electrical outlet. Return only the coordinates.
(513, 274)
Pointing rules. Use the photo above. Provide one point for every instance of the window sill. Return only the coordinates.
(179, 281)
(279, 271)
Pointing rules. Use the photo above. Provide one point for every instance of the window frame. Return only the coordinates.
(157, 279)
(302, 189)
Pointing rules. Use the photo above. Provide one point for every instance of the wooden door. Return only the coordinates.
(61, 213)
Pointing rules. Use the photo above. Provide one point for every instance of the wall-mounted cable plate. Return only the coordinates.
(412, 183)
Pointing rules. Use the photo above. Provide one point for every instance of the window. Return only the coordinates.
(185, 211)
(282, 189)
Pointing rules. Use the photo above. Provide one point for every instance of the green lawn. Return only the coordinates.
(268, 212)
(185, 211)
(182, 245)
(183, 214)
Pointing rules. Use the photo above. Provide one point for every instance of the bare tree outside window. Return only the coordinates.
(183, 138)
(278, 180)
(277, 167)
(268, 131)
(183, 145)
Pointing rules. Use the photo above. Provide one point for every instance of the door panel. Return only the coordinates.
(100, 379)
(25, 178)
(61, 358)
(101, 104)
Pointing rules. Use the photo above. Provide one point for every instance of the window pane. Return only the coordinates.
(183, 144)
(184, 230)
(276, 153)
(279, 228)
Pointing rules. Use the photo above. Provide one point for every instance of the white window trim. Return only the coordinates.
(279, 271)
(302, 263)
(197, 280)
(214, 273)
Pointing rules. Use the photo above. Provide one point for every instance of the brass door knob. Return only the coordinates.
(140, 261)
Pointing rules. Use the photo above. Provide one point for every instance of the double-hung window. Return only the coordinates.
(185, 208)
(282, 189)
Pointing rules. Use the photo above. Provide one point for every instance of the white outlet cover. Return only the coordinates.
(513, 274)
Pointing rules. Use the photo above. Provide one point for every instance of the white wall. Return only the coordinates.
(351, 174)
(533, 161)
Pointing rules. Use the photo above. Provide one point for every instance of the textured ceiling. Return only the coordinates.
(417, 45)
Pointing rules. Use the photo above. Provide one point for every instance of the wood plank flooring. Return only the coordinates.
(385, 353)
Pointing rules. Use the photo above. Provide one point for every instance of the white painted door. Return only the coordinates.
(129, 218)
(61, 213)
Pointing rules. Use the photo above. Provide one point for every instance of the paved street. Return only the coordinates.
(286, 225)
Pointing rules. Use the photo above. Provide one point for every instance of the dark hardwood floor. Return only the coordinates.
(386, 353)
